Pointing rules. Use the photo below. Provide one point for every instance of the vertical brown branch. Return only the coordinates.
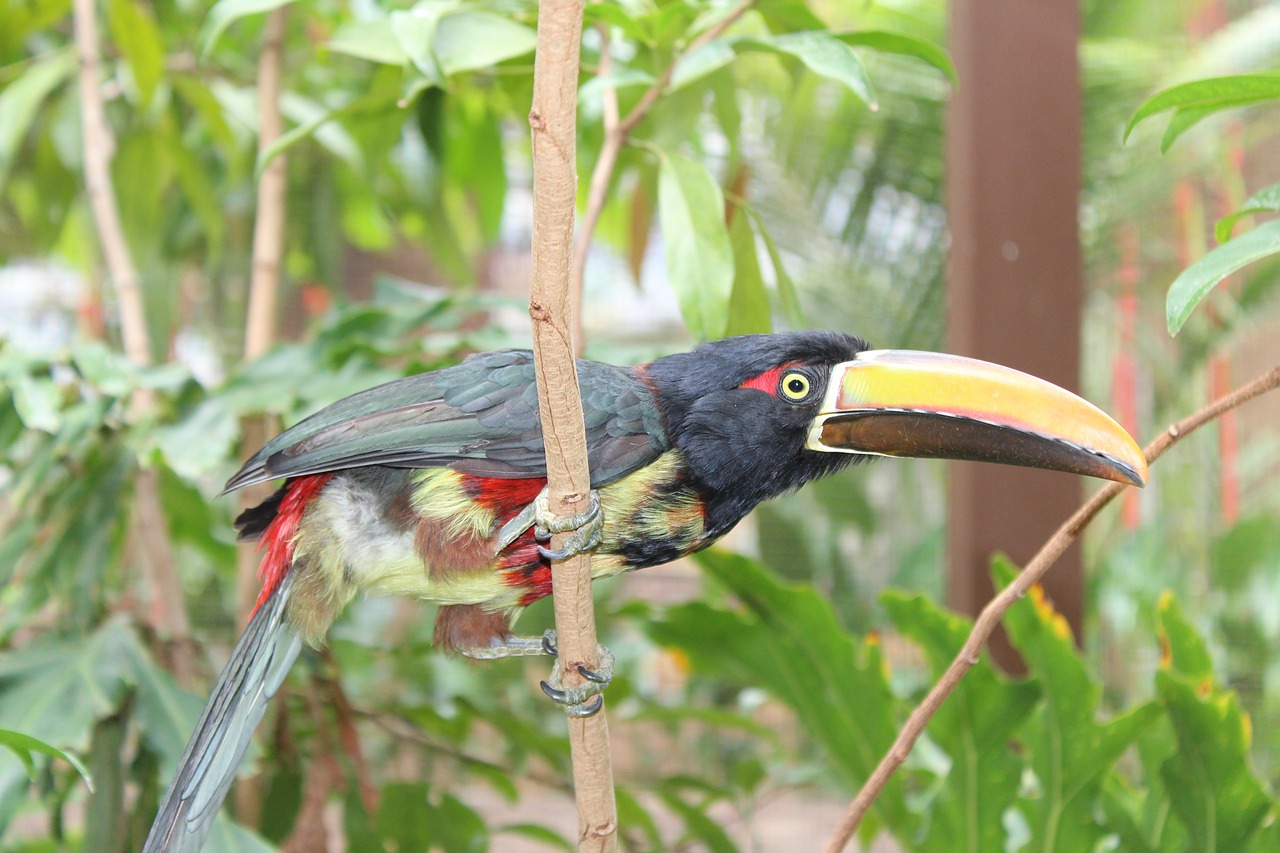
(553, 123)
(167, 614)
(264, 282)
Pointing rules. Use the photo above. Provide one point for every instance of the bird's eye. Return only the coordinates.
(795, 387)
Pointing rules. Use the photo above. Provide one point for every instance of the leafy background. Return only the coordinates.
(760, 191)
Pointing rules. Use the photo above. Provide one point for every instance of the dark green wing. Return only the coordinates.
(480, 417)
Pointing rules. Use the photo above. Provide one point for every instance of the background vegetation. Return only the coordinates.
(759, 191)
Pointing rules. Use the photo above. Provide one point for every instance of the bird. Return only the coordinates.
(434, 487)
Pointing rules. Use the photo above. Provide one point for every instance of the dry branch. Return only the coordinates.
(996, 608)
(553, 124)
(167, 613)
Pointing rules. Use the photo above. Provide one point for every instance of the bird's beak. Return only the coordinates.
(904, 403)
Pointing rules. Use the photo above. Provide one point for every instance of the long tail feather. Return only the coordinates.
(257, 666)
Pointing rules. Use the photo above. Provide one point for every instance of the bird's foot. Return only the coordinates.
(578, 701)
(586, 528)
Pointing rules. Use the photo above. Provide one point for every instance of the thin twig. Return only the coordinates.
(617, 132)
(167, 614)
(995, 609)
(264, 282)
(553, 124)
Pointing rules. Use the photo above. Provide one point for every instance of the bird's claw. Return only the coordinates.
(578, 701)
(587, 528)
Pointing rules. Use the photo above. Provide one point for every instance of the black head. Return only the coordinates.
(740, 409)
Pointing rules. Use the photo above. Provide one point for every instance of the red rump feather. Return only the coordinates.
(768, 381)
(277, 541)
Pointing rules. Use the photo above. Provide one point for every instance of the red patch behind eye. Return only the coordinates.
(768, 381)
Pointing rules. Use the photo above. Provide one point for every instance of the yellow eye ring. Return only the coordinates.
(794, 386)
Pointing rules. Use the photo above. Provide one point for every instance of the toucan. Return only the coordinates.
(433, 487)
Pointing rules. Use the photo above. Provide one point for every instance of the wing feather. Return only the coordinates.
(480, 416)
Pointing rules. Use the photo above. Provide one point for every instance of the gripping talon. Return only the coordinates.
(549, 642)
(586, 710)
(592, 675)
(578, 701)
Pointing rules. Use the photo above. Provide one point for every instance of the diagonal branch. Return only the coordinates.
(617, 132)
(553, 123)
(996, 608)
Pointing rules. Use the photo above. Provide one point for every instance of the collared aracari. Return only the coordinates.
(428, 487)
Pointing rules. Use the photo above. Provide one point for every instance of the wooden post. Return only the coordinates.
(1013, 151)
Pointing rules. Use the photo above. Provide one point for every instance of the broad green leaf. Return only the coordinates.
(55, 691)
(318, 121)
(202, 441)
(373, 40)
(620, 79)
(469, 39)
(1210, 783)
(1195, 282)
(696, 243)
(1264, 200)
(749, 303)
(1070, 749)
(23, 745)
(138, 39)
(906, 45)
(415, 32)
(1182, 650)
(38, 402)
(225, 13)
(699, 62)
(1249, 549)
(22, 98)
(787, 640)
(1216, 93)
(974, 727)
(822, 53)
(1183, 120)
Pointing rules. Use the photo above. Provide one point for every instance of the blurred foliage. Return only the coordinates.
(778, 191)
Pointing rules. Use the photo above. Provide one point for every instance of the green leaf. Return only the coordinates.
(23, 745)
(901, 43)
(975, 727)
(749, 303)
(225, 13)
(787, 292)
(38, 402)
(1195, 282)
(786, 639)
(1264, 200)
(1216, 93)
(415, 32)
(536, 832)
(470, 39)
(135, 34)
(1182, 649)
(1213, 791)
(1070, 749)
(373, 40)
(700, 62)
(822, 53)
(620, 79)
(696, 243)
(21, 99)
(202, 441)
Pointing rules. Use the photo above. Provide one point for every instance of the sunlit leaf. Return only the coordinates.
(822, 53)
(23, 745)
(1195, 282)
(749, 303)
(226, 12)
(374, 40)
(696, 243)
(1264, 200)
(699, 62)
(906, 45)
(1216, 93)
(21, 99)
(138, 39)
(470, 39)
